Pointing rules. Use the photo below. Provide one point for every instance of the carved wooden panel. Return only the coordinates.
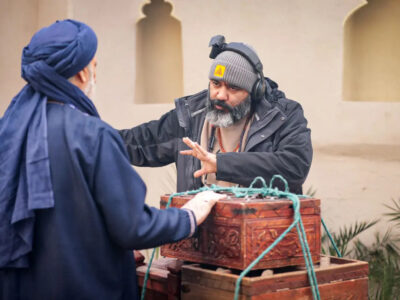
(223, 242)
(261, 234)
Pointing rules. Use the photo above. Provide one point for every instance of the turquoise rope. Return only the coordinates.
(331, 239)
(240, 192)
(302, 237)
(339, 254)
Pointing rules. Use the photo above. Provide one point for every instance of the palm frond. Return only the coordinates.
(311, 191)
(347, 234)
(383, 255)
(395, 214)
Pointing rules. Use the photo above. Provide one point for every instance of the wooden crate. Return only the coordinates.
(164, 279)
(343, 279)
(238, 231)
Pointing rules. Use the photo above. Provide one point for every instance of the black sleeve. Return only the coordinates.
(291, 158)
(154, 143)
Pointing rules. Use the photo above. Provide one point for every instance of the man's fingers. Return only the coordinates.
(199, 173)
(215, 198)
(210, 196)
(220, 196)
(200, 149)
(194, 146)
(188, 142)
(186, 152)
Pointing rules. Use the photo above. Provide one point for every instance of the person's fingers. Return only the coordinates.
(188, 142)
(219, 196)
(212, 201)
(199, 173)
(200, 149)
(202, 204)
(215, 196)
(210, 196)
(186, 152)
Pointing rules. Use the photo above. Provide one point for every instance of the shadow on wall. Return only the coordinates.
(159, 66)
(371, 66)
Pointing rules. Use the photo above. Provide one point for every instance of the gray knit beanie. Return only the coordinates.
(234, 69)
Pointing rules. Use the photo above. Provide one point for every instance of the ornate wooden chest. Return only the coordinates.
(238, 231)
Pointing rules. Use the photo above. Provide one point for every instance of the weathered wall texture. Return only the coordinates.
(301, 43)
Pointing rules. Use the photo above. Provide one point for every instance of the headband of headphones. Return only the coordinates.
(218, 45)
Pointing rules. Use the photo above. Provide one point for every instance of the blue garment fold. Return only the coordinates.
(54, 54)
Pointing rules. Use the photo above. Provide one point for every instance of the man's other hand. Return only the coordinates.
(202, 203)
(208, 160)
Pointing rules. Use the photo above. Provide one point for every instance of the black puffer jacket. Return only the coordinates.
(278, 142)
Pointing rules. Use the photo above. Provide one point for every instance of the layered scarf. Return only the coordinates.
(54, 54)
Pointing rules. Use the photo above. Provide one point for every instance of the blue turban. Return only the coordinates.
(54, 54)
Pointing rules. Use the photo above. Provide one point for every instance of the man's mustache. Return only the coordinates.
(221, 103)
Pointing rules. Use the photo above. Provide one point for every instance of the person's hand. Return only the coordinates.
(139, 258)
(202, 203)
(209, 160)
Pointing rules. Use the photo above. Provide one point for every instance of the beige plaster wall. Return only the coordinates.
(18, 21)
(300, 42)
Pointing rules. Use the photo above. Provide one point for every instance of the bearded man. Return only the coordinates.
(71, 206)
(241, 127)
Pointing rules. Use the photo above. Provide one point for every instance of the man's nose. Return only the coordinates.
(222, 93)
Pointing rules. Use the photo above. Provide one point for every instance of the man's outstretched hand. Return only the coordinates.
(209, 160)
(202, 203)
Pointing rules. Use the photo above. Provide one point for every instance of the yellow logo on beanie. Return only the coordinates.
(219, 71)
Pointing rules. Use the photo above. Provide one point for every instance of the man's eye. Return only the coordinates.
(215, 82)
(234, 87)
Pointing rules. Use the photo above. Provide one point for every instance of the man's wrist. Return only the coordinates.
(192, 221)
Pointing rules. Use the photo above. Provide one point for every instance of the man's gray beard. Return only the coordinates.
(90, 89)
(220, 118)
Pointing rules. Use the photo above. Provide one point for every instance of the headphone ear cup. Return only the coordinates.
(258, 89)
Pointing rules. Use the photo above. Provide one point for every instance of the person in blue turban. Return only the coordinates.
(71, 206)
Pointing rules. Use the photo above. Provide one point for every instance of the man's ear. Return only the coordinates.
(83, 75)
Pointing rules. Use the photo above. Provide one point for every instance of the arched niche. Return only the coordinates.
(159, 62)
(371, 59)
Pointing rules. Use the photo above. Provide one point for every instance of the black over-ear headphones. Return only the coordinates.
(218, 45)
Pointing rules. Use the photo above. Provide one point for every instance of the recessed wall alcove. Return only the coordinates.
(159, 66)
(371, 58)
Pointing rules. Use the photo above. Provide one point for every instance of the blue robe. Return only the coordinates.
(82, 247)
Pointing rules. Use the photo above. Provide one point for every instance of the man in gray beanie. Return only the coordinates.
(239, 128)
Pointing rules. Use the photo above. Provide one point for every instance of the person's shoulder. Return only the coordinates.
(288, 105)
(277, 98)
(80, 124)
